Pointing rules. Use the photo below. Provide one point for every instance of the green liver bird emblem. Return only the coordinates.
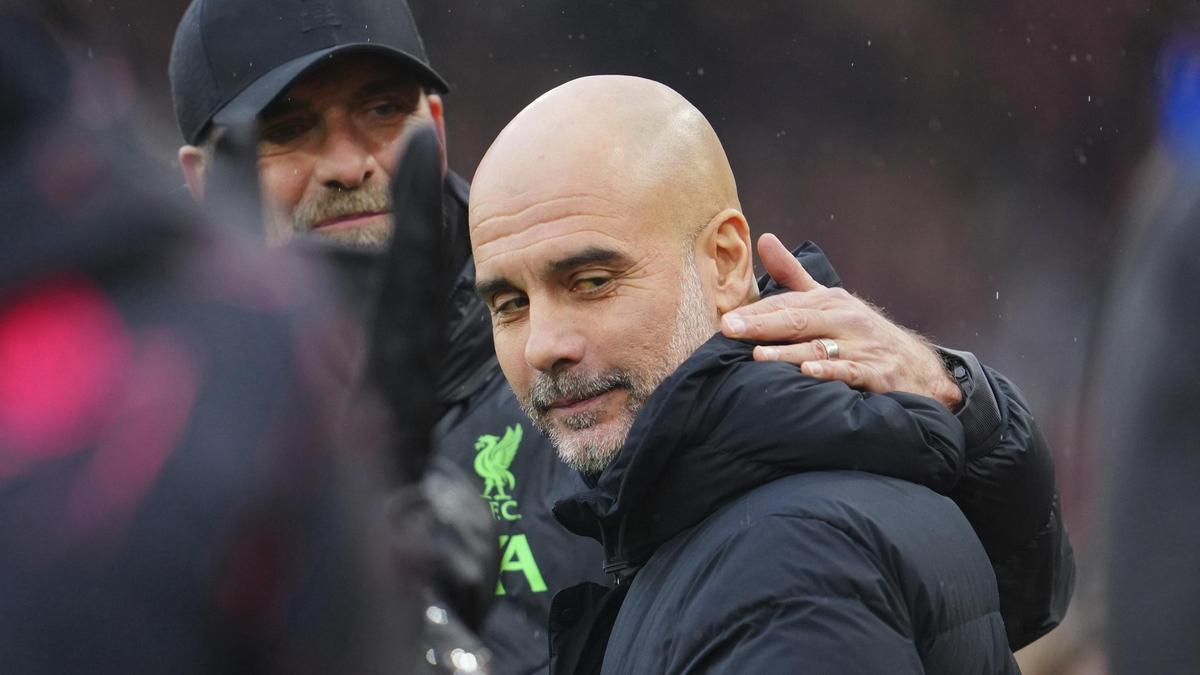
(495, 456)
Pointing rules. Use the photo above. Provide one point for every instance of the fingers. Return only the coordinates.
(782, 265)
(854, 374)
(786, 324)
(819, 298)
(796, 354)
(811, 358)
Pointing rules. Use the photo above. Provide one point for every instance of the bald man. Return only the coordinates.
(608, 242)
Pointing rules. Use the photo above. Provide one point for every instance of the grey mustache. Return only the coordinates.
(339, 203)
(550, 388)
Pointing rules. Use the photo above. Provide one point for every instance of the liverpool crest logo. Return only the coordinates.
(494, 456)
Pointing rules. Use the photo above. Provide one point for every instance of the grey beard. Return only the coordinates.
(549, 387)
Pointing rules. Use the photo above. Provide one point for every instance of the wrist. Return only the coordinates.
(949, 386)
(948, 393)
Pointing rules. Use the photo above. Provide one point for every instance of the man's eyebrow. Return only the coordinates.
(390, 85)
(486, 289)
(284, 106)
(387, 85)
(589, 256)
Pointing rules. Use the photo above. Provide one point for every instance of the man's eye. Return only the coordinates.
(284, 132)
(590, 284)
(509, 304)
(387, 108)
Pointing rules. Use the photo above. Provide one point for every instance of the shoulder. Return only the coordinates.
(848, 549)
(883, 541)
(886, 507)
(901, 528)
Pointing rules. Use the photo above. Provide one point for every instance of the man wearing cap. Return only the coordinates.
(335, 86)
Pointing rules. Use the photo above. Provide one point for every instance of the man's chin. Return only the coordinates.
(588, 450)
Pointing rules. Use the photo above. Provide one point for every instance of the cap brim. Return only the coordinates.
(259, 94)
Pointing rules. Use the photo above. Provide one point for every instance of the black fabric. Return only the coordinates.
(1008, 494)
(736, 570)
(581, 619)
(472, 361)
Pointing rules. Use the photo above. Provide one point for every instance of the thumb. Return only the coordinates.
(783, 266)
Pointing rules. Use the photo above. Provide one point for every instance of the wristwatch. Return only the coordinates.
(980, 412)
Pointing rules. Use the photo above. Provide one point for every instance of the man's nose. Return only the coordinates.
(347, 158)
(554, 342)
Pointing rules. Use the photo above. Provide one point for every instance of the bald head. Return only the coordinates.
(610, 136)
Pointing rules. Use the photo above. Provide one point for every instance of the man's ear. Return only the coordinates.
(194, 163)
(725, 242)
(437, 114)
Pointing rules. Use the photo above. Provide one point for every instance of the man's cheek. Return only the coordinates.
(511, 362)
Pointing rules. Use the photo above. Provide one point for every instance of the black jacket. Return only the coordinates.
(1006, 490)
(733, 565)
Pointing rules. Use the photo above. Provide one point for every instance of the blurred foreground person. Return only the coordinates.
(336, 86)
(608, 241)
(1148, 385)
(175, 489)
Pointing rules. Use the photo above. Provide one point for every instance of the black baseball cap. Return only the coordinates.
(233, 57)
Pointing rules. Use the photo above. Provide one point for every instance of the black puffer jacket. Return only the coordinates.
(1007, 490)
(726, 564)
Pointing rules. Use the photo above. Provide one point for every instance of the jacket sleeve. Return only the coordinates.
(1008, 494)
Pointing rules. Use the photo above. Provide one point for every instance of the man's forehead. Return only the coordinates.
(539, 246)
(523, 228)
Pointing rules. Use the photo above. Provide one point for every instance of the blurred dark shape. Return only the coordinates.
(400, 296)
(408, 347)
(406, 358)
(232, 193)
(174, 494)
(32, 79)
(1146, 394)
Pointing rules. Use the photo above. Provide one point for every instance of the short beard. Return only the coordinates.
(338, 203)
(693, 326)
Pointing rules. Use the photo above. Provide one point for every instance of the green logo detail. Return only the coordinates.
(494, 456)
(517, 557)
